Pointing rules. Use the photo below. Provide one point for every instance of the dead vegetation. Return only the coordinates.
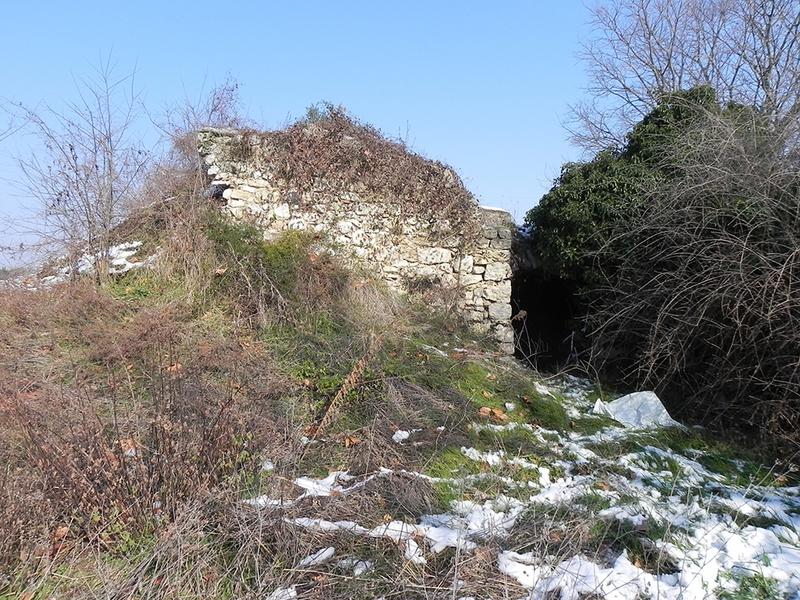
(331, 148)
(136, 415)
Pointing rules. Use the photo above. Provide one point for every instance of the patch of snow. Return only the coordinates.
(320, 557)
(118, 260)
(358, 566)
(413, 553)
(402, 435)
(690, 503)
(283, 593)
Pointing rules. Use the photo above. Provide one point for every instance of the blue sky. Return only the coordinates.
(482, 86)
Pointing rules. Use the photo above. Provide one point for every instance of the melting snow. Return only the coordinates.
(691, 505)
(320, 557)
(119, 262)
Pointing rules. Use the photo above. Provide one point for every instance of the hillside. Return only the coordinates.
(233, 418)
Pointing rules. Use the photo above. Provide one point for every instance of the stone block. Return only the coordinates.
(501, 243)
(239, 194)
(503, 333)
(476, 316)
(282, 211)
(434, 256)
(499, 311)
(469, 279)
(497, 292)
(497, 271)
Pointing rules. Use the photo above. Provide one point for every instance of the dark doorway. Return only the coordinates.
(544, 319)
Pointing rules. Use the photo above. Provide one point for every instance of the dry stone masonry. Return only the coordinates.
(406, 251)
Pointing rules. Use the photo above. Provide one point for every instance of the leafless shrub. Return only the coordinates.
(706, 302)
(643, 49)
(177, 174)
(86, 175)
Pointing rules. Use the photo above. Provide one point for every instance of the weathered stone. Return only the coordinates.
(476, 316)
(497, 271)
(503, 333)
(469, 279)
(466, 263)
(434, 256)
(499, 311)
(282, 211)
(498, 292)
(501, 243)
(239, 194)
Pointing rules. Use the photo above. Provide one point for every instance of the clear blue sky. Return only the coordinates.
(484, 86)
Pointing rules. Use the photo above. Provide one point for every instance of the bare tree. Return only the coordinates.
(747, 50)
(85, 174)
(177, 170)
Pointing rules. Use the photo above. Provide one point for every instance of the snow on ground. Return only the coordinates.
(709, 528)
(119, 259)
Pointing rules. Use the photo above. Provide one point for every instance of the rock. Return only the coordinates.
(469, 279)
(496, 271)
(498, 292)
(238, 194)
(499, 311)
(434, 256)
(504, 333)
(466, 264)
(501, 243)
(282, 211)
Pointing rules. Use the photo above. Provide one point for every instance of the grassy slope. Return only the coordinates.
(139, 415)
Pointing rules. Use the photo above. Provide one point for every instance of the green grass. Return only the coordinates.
(751, 587)
(450, 463)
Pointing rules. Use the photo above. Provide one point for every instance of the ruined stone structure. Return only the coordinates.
(405, 251)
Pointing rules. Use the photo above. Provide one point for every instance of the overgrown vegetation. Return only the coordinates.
(329, 147)
(681, 248)
(137, 413)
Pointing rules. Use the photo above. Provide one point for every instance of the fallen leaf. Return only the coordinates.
(220, 271)
(555, 535)
(486, 394)
(175, 368)
(351, 440)
(499, 414)
(60, 533)
(485, 411)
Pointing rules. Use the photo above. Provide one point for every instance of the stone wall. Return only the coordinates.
(404, 250)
